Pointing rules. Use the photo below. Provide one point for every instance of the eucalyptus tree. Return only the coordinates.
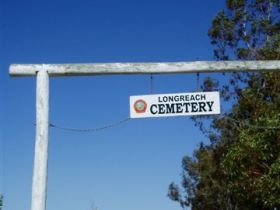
(240, 168)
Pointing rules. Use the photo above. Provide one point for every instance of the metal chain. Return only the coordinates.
(90, 129)
(151, 83)
(102, 127)
(244, 123)
(197, 81)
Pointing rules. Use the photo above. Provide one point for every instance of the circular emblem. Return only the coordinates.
(140, 106)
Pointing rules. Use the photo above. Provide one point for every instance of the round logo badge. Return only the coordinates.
(140, 106)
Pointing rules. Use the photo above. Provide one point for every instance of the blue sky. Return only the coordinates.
(128, 167)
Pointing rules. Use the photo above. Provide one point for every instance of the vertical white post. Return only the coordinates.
(39, 187)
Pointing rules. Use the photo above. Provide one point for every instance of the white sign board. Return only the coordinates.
(177, 104)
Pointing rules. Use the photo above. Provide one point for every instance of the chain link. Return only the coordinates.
(239, 123)
(103, 127)
(151, 83)
(197, 81)
(89, 129)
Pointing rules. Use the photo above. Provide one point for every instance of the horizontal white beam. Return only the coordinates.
(142, 68)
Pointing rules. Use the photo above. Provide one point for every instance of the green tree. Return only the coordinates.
(1, 202)
(240, 168)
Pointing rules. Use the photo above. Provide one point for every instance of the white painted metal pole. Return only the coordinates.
(39, 187)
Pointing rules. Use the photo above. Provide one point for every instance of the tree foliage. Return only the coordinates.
(240, 168)
(248, 29)
(1, 202)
